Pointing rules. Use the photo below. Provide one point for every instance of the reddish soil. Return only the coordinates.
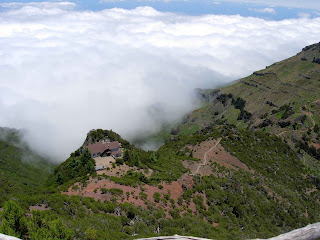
(213, 154)
(117, 171)
(132, 195)
(215, 224)
(174, 189)
(186, 180)
(221, 156)
(316, 145)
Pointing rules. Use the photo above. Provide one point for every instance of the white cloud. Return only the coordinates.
(41, 5)
(263, 10)
(65, 72)
(307, 4)
(304, 15)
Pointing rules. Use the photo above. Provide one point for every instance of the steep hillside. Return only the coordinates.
(221, 182)
(21, 170)
(284, 91)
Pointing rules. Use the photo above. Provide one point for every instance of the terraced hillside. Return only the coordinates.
(268, 99)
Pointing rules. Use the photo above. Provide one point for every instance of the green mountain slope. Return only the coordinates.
(283, 99)
(21, 170)
(274, 193)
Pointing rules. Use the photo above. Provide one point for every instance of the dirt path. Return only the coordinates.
(278, 135)
(205, 157)
(309, 114)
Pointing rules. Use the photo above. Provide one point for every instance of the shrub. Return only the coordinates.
(156, 197)
(119, 161)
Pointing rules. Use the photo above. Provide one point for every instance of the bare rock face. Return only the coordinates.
(316, 60)
(310, 232)
(311, 47)
(5, 237)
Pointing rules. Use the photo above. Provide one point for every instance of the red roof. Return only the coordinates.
(116, 152)
(100, 147)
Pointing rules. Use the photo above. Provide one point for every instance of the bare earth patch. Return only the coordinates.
(214, 152)
(221, 156)
(130, 194)
(316, 145)
(117, 171)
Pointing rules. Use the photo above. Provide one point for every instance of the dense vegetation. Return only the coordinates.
(229, 204)
(100, 134)
(21, 171)
(79, 164)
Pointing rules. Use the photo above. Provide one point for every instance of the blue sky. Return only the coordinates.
(266, 9)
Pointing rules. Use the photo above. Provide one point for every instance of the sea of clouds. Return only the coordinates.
(64, 71)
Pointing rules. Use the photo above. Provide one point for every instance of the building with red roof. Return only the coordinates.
(103, 149)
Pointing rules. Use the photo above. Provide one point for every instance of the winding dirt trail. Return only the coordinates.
(205, 157)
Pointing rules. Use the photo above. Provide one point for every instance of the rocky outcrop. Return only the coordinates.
(310, 232)
(5, 237)
(312, 47)
(264, 74)
(207, 95)
(316, 60)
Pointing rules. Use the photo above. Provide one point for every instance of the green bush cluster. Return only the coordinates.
(79, 164)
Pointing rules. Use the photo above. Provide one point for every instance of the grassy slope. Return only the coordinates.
(291, 81)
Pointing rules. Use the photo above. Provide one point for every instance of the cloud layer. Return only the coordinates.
(64, 72)
(306, 4)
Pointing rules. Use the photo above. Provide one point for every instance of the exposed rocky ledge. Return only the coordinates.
(313, 47)
(310, 232)
(5, 237)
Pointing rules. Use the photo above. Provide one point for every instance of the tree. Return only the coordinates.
(13, 222)
(126, 156)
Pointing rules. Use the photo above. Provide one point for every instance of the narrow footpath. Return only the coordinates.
(205, 157)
